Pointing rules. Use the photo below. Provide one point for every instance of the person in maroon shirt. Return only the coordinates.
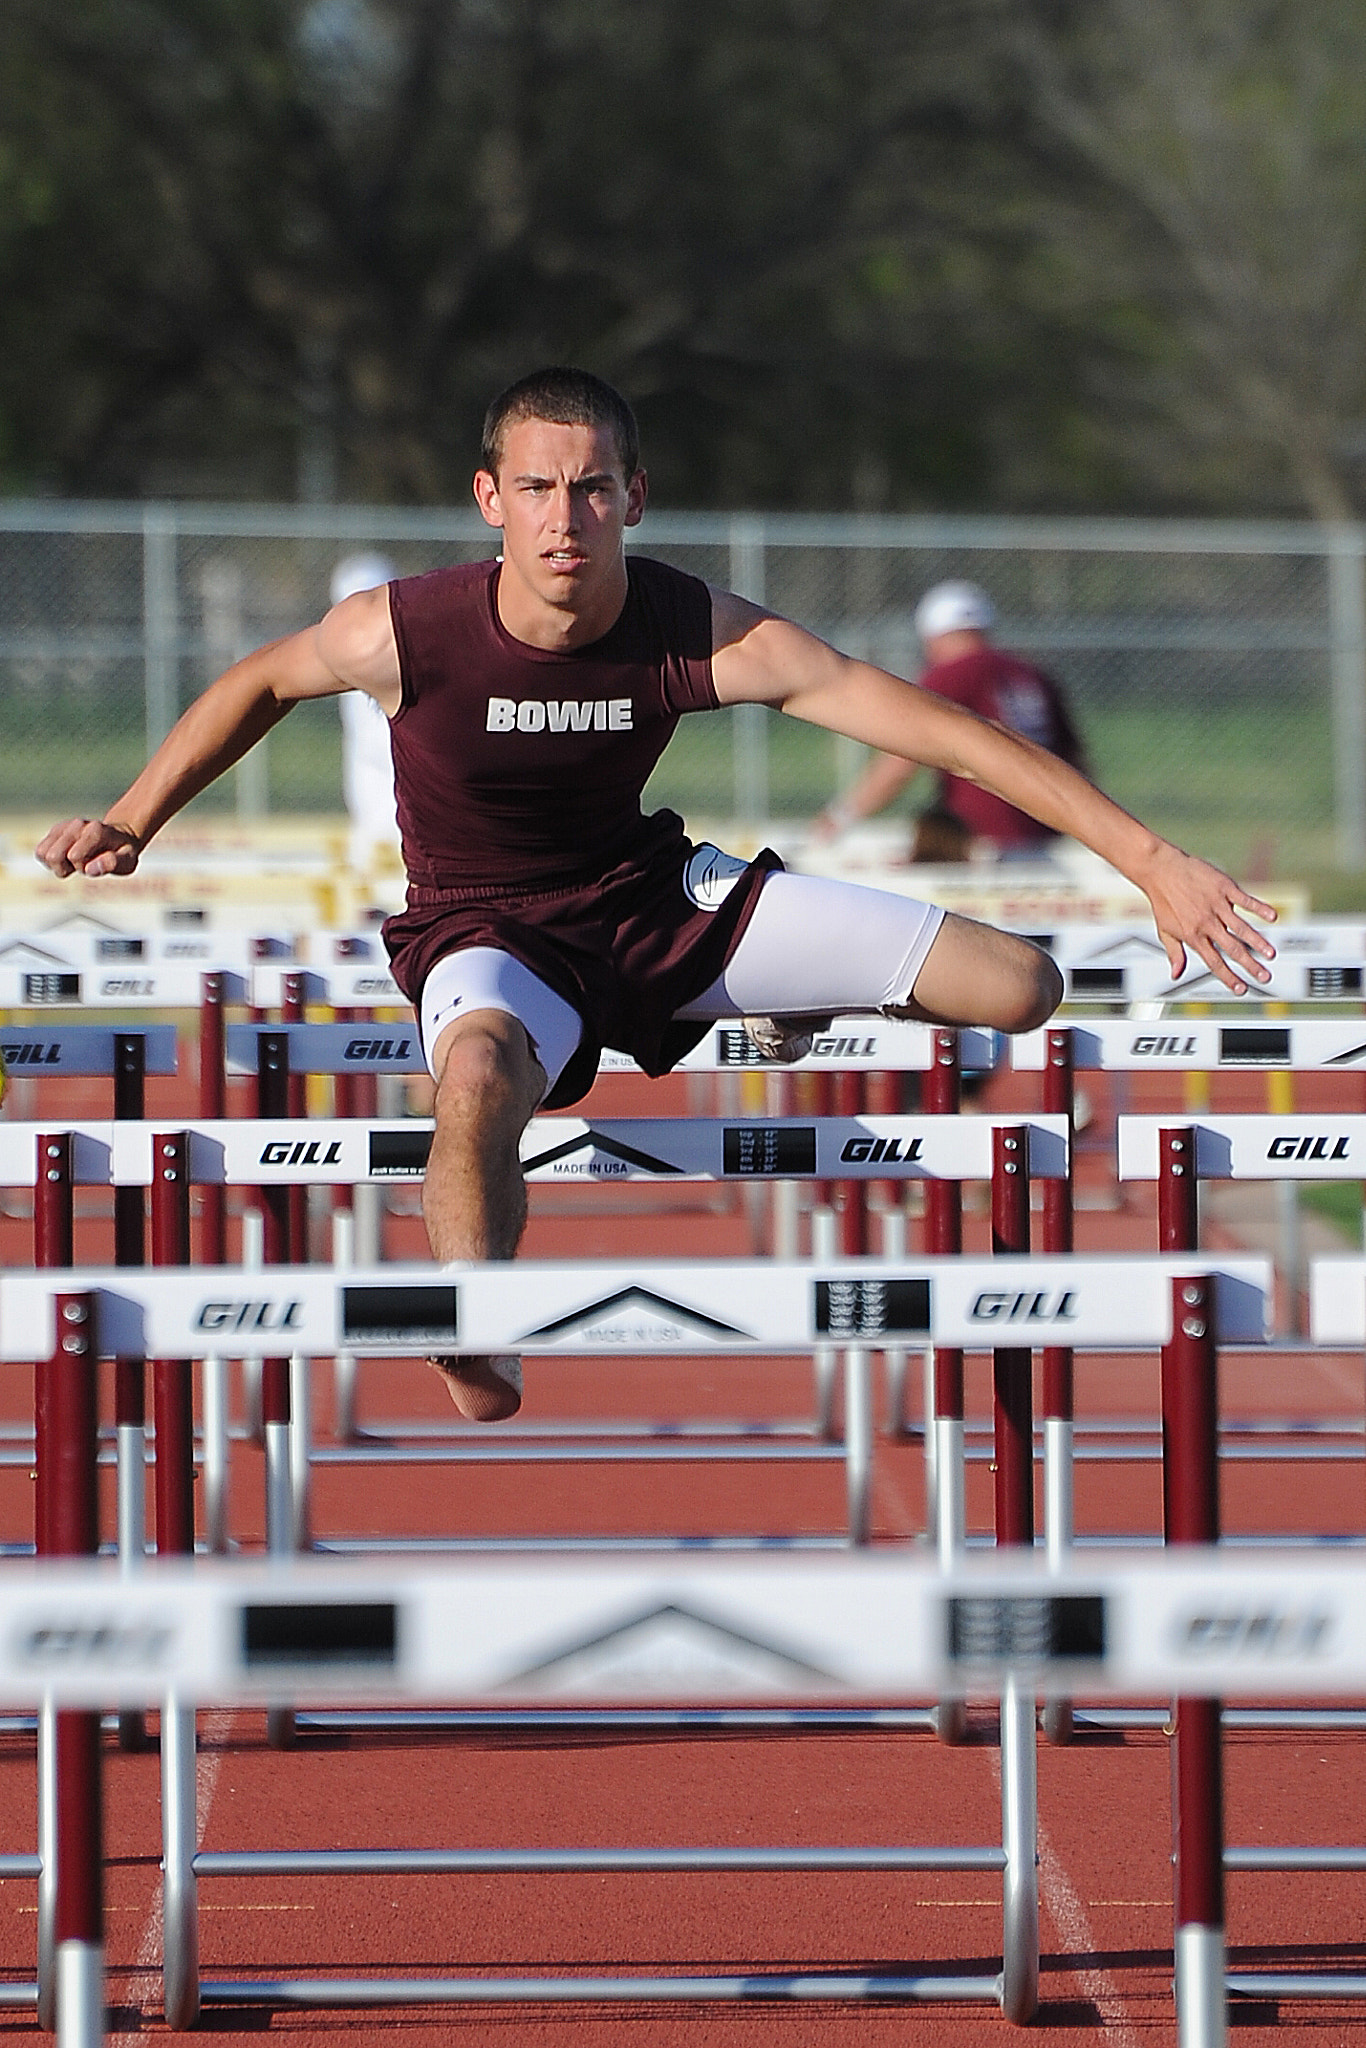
(528, 699)
(954, 622)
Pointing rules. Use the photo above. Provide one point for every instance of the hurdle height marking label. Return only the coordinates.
(872, 1308)
(769, 1149)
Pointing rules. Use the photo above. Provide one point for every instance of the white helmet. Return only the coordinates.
(953, 608)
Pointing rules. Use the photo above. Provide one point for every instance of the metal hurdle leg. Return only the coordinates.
(1191, 1453)
(894, 1247)
(131, 1430)
(858, 1440)
(130, 1098)
(824, 1357)
(79, 1950)
(344, 1365)
(173, 1381)
(945, 1465)
(253, 1258)
(1190, 1502)
(214, 1400)
(1019, 1836)
(180, 1886)
(53, 1245)
(300, 1450)
(275, 1377)
(76, 1839)
(47, 1873)
(1058, 1425)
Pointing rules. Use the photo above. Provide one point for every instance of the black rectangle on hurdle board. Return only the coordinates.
(872, 1308)
(427, 1315)
(52, 987)
(319, 1632)
(399, 1155)
(1335, 981)
(993, 1629)
(1095, 981)
(754, 1148)
(1254, 1045)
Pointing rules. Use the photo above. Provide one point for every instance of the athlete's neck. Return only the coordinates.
(575, 614)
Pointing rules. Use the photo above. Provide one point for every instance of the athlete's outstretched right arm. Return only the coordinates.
(352, 648)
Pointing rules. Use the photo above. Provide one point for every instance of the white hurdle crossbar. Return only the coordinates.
(350, 1151)
(862, 1042)
(881, 1626)
(632, 1307)
(1203, 1045)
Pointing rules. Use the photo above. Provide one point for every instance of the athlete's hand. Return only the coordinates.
(89, 846)
(1197, 906)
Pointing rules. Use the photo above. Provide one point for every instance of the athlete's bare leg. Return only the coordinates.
(974, 974)
(488, 1083)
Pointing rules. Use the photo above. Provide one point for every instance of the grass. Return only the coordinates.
(1338, 1202)
(1250, 786)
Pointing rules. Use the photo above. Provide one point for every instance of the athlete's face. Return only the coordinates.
(563, 503)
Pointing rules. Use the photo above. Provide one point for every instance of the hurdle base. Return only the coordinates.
(1201, 1997)
(80, 1994)
(755, 1987)
(1271, 1984)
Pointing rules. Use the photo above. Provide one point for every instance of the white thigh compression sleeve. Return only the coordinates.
(483, 978)
(815, 944)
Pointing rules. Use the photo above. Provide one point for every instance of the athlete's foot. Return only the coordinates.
(483, 1389)
(784, 1039)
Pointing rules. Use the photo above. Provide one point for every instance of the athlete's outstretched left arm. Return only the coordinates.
(758, 658)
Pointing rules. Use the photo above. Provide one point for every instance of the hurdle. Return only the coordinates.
(859, 1047)
(284, 1152)
(1319, 961)
(870, 1626)
(576, 1309)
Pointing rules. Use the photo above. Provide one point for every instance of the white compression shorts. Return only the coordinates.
(811, 945)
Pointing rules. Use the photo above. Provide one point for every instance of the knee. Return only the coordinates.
(1037, 991)
(488, 1074)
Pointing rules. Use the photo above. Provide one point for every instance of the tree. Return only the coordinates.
(1218, 145)
(792, 230)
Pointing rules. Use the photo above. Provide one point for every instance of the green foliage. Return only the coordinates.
(793, 231)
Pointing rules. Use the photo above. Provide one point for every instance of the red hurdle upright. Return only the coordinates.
(1057, 1234)
(130, 1376)
(1190, 1490)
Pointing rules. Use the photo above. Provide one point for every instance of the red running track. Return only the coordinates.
(1105, 1875)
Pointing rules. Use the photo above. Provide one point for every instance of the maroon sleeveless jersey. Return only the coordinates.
(518, 774)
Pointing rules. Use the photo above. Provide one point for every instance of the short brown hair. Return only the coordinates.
(569, 398)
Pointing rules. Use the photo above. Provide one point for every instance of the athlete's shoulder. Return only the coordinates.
(677, 605)
(458, 583)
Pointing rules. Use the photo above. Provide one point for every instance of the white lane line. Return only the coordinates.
(1068, 1915)
(1077, 1937)
(144, 1984)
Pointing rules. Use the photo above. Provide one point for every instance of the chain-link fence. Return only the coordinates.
(1218, 672)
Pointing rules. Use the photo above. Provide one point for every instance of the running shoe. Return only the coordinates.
(784, 1039)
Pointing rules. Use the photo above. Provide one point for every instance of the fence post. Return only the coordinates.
(749, 732)
(1346, 563)
(160, 630)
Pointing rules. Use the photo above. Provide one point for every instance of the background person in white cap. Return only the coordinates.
(954, 623)
(367, 758)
